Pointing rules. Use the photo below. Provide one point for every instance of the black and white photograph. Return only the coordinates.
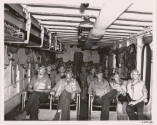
(79, 60)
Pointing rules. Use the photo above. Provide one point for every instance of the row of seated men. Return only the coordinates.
(43, 84)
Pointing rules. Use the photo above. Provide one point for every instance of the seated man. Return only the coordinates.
(60, 74)
(40, 87)
(65, 90)
(137, 92)
(103, 92)
(51, 71)
(120, 85)
(91, 76)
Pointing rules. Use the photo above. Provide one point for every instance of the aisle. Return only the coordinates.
(83, 110)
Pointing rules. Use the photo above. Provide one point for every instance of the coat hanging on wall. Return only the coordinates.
(12, 49)
(6, 57)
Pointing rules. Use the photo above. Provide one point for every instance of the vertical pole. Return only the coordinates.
(139, 53)
(29, 72)
(18, 78)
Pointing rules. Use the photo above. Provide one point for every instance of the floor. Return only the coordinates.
(48, 115)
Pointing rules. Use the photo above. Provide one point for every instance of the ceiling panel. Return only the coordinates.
(63, 17)
(137, 16)
(62, 11)
(126, 27)
(134, 23)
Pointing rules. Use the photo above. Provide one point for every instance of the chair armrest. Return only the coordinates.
(51, 100)
(91, 97)
(90, 105)
(78, 96)
(78, 105)
(24, 97)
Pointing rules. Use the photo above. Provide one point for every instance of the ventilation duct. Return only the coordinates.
(110, 11)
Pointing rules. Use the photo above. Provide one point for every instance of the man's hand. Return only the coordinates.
(73, 96)
(53, 93)
(132, 103)
(123, 93)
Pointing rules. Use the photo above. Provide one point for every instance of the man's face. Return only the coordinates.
(93, 70)
(42, 70)
(135, 75)
(116, 77)
(49, 69)
(61, 69)
(100, 75)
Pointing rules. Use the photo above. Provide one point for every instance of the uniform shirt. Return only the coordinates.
(99, 88)
(71, 87)
(41, 84)
(137, 90)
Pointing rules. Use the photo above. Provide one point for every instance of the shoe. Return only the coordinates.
(21, 116)
(27, 117)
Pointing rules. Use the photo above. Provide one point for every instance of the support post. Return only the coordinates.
(139, 53)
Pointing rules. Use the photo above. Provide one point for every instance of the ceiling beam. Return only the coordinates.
(114, 37)
(74, 36)
(60, 14)
(70, 38)
(67, 33)
(124, 29)
(139, 12)
(111, 38)
(146, 24)
(62, 18)
(60, 6)
(59, 25)
(116, 33)
(62, 29)
(134, 20)
(54, 20)
(75, 31)
(119, 32)
(108, 34)
(129, 25)
(57, 31)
